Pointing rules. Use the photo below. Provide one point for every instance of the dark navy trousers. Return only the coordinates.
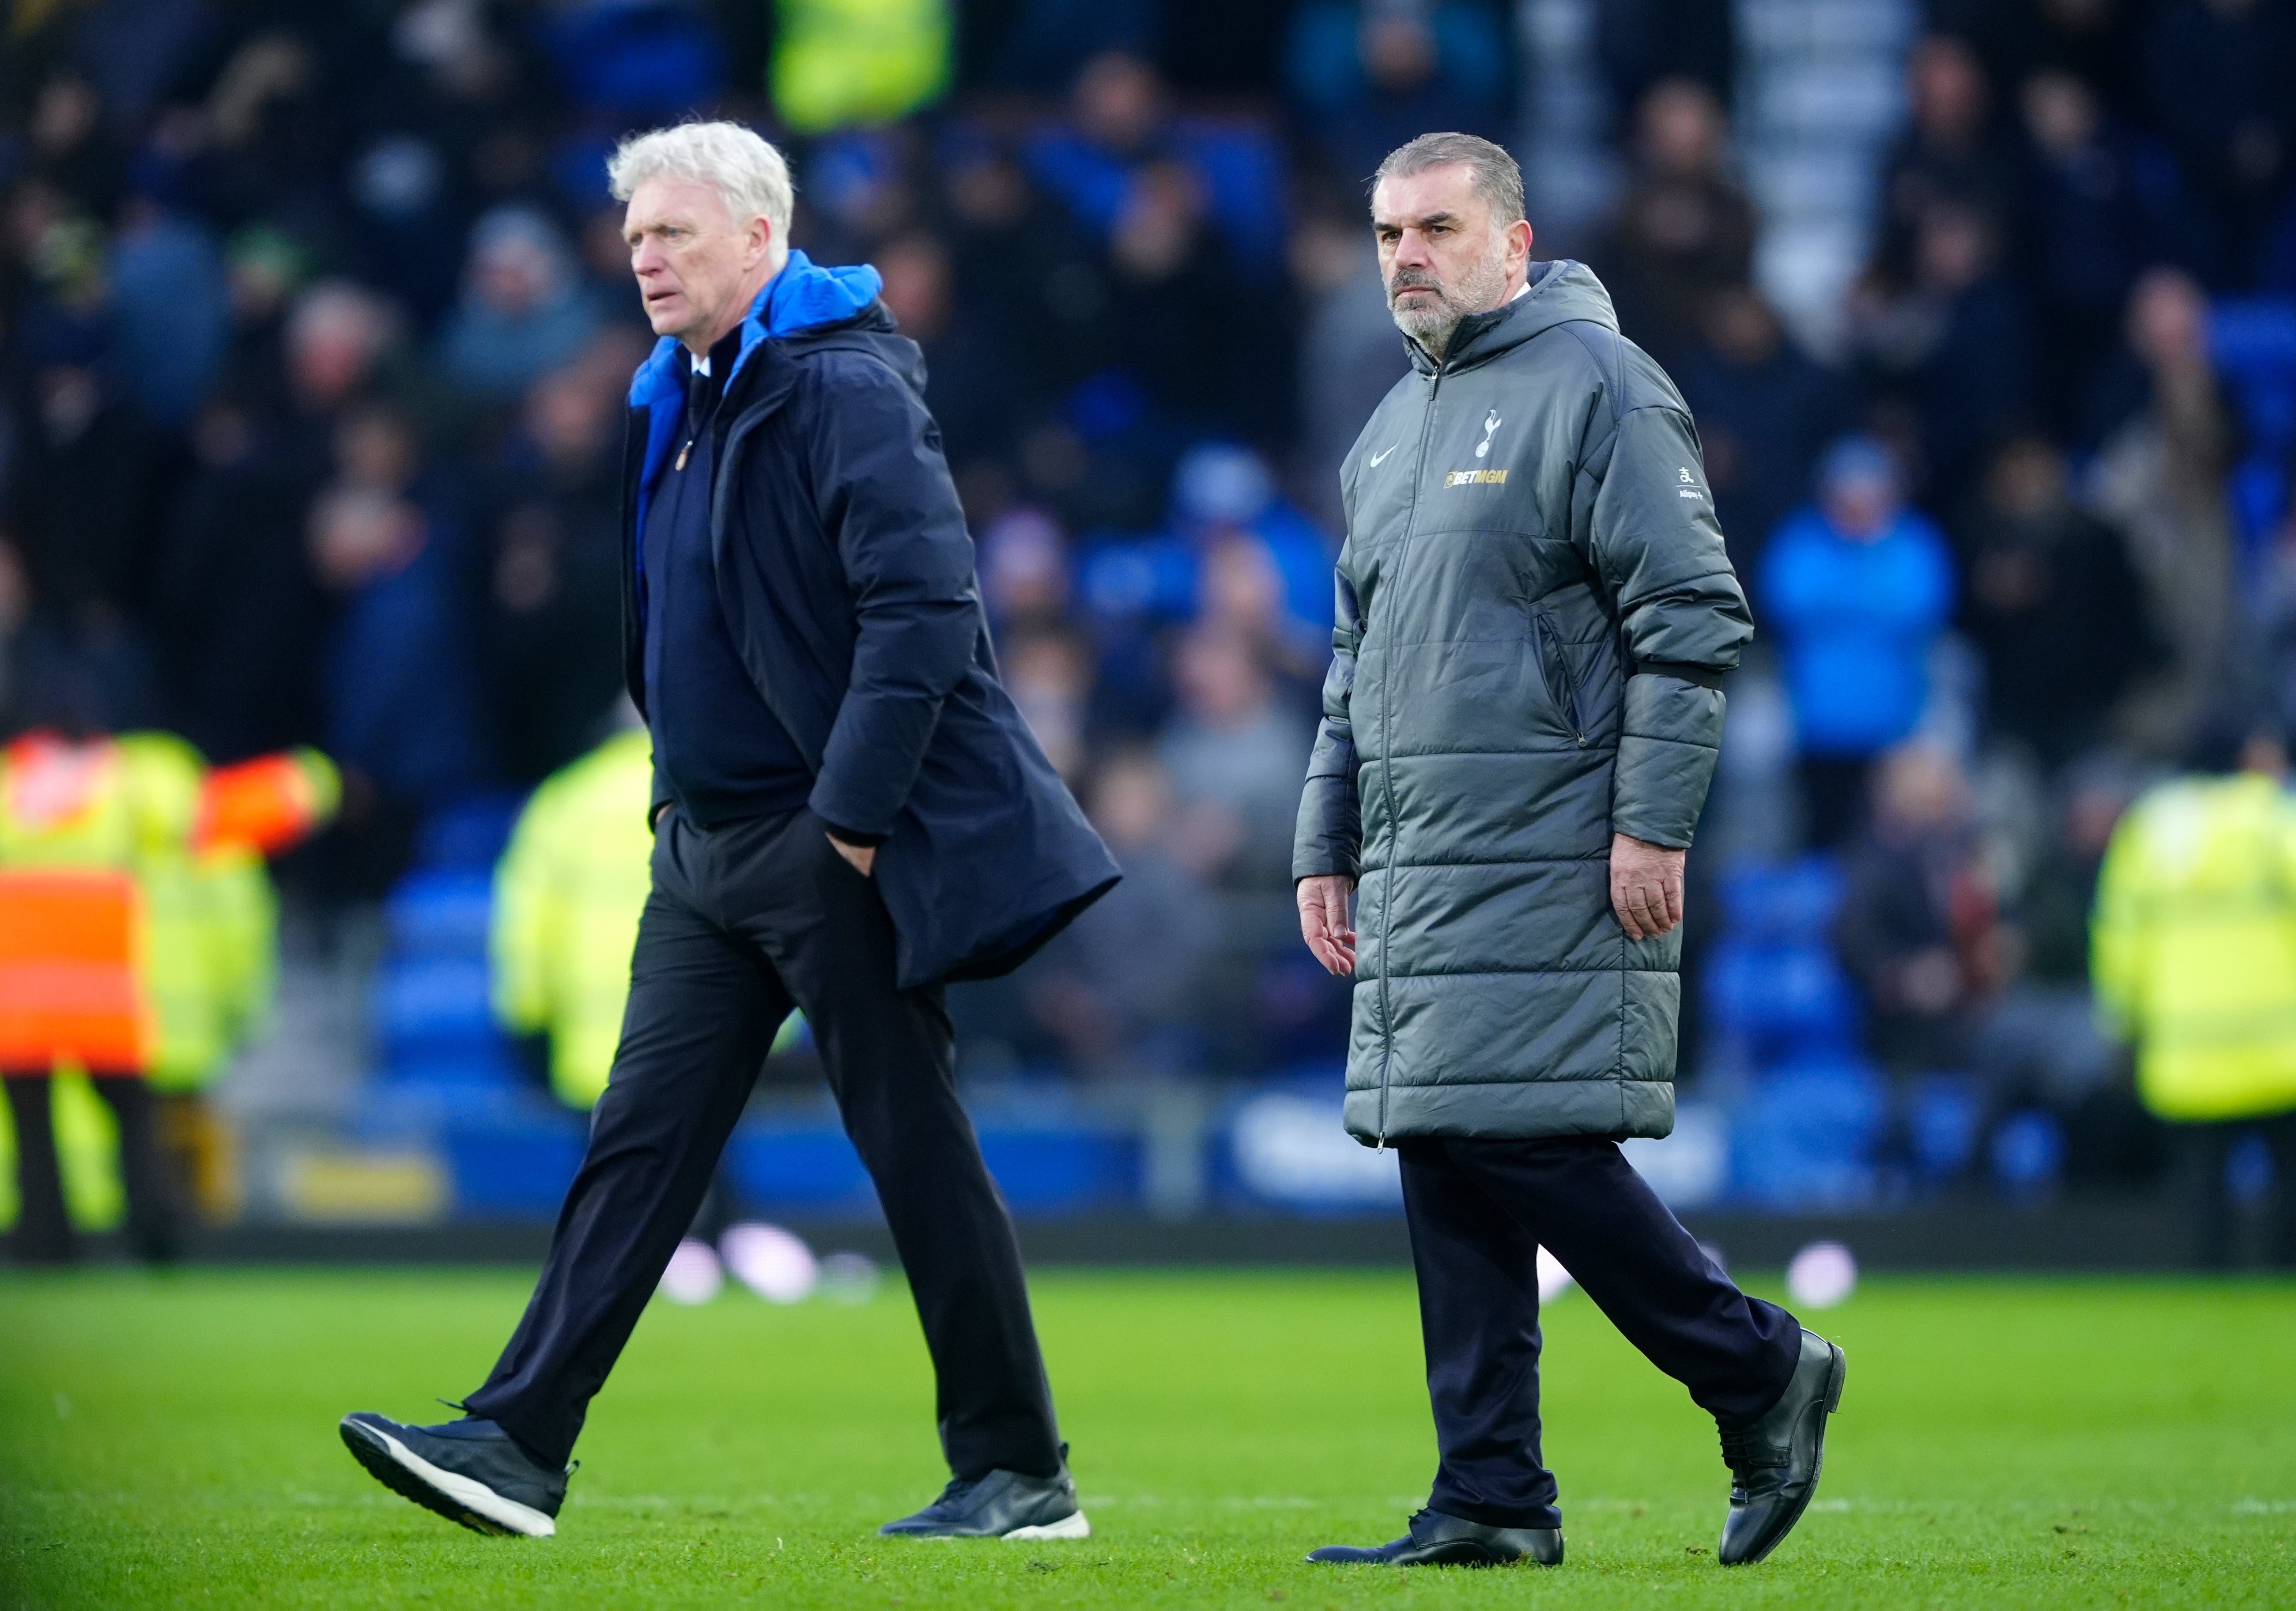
(1478, 1213)
(745, 921)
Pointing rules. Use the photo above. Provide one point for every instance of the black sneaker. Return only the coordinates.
(1436, 1540)
(469, 1471)
(1774, 1463)
(1003, 1504)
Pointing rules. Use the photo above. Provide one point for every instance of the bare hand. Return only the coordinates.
(860, 858)
(1646, 886)
(1323, 921)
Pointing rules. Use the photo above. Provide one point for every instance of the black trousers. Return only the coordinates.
(743, 921)
(44, 1231)
(1479, 1212)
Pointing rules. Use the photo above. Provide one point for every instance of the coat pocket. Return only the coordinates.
(1555, 670)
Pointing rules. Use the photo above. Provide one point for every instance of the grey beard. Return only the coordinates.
(1433, 328)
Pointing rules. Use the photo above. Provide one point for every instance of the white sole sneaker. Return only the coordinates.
(458, 1498)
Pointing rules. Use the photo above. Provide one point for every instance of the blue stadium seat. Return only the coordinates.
(426, 1006)
(643, 59)
(1242, 168)
(1806, 1135)
(1064, 1171)
(2028, 1153)
(512, 1165)
(809, 1169)
(468, 836)
(2253, 339)
(1943, 1113)
(1782, 903)
(1041, 1169)
(439, 914)
(2249, 1172)
(1779, 1001)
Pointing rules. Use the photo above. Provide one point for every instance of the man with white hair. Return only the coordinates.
(1521, 716)
(849, 813)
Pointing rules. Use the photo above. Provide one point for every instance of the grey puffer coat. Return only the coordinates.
(1535, 611)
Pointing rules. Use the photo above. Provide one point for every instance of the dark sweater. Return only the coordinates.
(717, 745)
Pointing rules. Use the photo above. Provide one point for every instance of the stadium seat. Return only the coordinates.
(468, 836)
(803, 1170)
(2254, 342)
(641, 59)
(512, 1166)
(425, 1098)
(2248, 1170)
(423, 1006)
(1943, 1113)
(2028, 1153)
(1783, 904)
(1779, 1002)
(1062, 1170)
(1805, 1137)
(1041, 1169)
(439, 914)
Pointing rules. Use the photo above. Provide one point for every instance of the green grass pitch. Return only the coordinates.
(169, 1440)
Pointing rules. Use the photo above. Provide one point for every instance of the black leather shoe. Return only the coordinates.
(1003, 1504)
(1436, 1540)
(1774, 1463)
(469, 1471)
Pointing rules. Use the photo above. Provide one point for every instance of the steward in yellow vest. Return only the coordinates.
(568, 892)
(2192, 955)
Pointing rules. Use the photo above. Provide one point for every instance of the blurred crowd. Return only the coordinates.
(315, 324)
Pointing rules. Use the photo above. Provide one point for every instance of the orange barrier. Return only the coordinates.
(70, 973)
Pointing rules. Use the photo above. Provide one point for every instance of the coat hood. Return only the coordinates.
(871, 329)
(803, 296)
(1559, 291)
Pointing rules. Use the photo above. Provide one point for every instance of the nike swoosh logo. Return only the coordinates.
(1380, 455)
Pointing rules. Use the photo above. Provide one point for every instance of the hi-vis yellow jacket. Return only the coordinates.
(2192, 946)
(568, 893)
(840, 62)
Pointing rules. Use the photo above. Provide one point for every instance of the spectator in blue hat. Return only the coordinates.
(1857, 587)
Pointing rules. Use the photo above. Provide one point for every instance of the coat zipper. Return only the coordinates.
(1551, 640)
(1387, 764)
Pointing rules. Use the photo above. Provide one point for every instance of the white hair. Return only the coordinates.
(746, 169)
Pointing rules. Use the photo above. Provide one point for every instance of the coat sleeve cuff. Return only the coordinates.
(1672, 732)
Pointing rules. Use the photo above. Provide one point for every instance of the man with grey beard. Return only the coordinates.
(1535, 612)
